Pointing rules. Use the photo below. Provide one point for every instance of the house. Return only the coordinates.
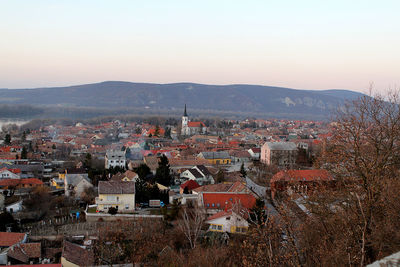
(27, 253)
(7, 241)
(75, 184)
(216, 158)
(188, 186)
(115, 158)
(224, 187)
(227, 221)
(300, 181)
(25, 170)
(214, 202)
(57, 183)
(117, 194)
(191, 127)
(281, 154)
(9, 173)
(14, 207)
(20, 183)
(199, 173)
(255, 153)
(240, 156)
(152, 163)
(74, 255)
(127, 176)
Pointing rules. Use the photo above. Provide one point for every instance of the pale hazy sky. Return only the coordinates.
(319, 44)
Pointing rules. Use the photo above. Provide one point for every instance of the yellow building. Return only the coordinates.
(227, 221)
(59, 183)
(216, 158)
(117, 194)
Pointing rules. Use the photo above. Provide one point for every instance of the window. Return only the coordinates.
(110, 198)
(213, 226)
(213, 204)
(241, 229)
(219, 227)
(208, 204)
(127, 207)
(228, 218)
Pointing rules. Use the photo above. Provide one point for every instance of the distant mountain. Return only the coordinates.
(263, 101)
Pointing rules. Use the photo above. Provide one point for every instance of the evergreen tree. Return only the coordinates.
(88, 160)
(143, 170)
(24, 153)
(243, 172)
(167, 133)
(163, 173)
(157, 131)
(7, 139)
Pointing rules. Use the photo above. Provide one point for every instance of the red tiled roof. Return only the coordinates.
(302, 175)
(191, 184)
(33, 250)
(225, 201)
(222, 187)
(8, 239)
(196, 124)
(161, 131)
(256, 150)
(219, 215)
(25, 181)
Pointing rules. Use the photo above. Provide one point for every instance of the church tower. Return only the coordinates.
(185, 120)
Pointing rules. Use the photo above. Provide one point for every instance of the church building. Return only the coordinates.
(192, 127)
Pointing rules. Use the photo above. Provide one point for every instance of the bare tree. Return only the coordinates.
(190, 224)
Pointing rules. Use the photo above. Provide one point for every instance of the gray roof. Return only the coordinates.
(196, 173)
(24, 167)
(115, 154)
(75, 179)
(203, 169)
(116, 187)
(216, 155)
(281, 145)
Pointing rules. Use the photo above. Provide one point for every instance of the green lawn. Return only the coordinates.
(92, 210)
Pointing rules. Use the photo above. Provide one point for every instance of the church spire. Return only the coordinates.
(185, 114)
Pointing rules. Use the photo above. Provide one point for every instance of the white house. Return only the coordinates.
(227, 221)
(115, 158)
(75, 184)
(14, 207)
(255, 153)
(7, 174)
(199, 173)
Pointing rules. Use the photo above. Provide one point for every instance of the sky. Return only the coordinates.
(304, 44)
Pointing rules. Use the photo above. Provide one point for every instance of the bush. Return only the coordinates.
(112, 211)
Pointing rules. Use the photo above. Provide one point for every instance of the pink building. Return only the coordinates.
(282, 154)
